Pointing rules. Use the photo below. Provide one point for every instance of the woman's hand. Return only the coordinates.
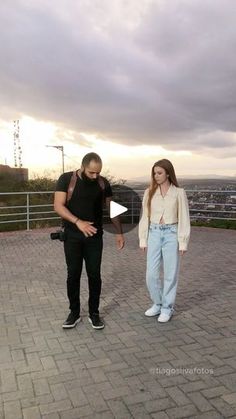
(143, 249)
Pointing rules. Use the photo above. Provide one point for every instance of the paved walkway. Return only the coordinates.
(135, 367)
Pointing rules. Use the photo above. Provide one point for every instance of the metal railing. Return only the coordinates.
(26, 211)
(28, 208)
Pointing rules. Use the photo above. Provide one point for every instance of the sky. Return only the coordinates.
(135, 81)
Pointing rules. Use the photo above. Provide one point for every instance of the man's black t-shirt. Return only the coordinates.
(87, 199)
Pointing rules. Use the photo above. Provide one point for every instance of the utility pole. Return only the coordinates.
(61, 148)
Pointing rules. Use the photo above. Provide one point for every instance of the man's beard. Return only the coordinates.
(87, 179)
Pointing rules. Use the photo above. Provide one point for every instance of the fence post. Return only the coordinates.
(28, 211)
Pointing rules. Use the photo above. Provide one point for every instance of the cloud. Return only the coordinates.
(150, 72)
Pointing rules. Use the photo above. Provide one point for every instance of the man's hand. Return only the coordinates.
(143, 249)
(86, 227)
(182, 252)
(120, 241)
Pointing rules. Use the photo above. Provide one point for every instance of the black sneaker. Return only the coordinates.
(71, 321)
(95, 321)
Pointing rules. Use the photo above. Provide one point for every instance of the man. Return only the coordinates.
(82, 217)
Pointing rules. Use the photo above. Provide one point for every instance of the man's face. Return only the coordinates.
(93, 170)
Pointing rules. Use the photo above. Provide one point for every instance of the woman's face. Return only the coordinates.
(160, 175)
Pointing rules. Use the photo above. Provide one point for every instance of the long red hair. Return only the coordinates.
(170, 171)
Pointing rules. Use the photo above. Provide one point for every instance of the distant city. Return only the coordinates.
(208, 198)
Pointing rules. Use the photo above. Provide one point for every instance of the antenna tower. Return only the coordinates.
(17, 146)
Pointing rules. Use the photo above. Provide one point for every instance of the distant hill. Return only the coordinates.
(146, 179)
(209, 177)
(225, 182)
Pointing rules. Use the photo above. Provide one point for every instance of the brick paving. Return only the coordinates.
(135, 367)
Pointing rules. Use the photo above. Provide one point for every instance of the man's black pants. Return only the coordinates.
(77, 248)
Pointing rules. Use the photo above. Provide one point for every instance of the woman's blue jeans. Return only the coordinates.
(163, 249)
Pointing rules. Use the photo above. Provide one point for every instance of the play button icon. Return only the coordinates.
(126, 204)
(116, 209)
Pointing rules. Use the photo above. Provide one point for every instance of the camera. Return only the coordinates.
(58, 235)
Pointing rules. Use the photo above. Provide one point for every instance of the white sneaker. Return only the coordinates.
(153, 311)
(164, 317)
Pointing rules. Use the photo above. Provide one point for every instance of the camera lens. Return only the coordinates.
(54, 236)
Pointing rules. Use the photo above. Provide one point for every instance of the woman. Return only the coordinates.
(164, 229)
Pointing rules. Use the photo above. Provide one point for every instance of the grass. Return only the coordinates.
(227, 224)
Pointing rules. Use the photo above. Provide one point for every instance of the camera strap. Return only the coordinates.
(71, 186)
(73, 181)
